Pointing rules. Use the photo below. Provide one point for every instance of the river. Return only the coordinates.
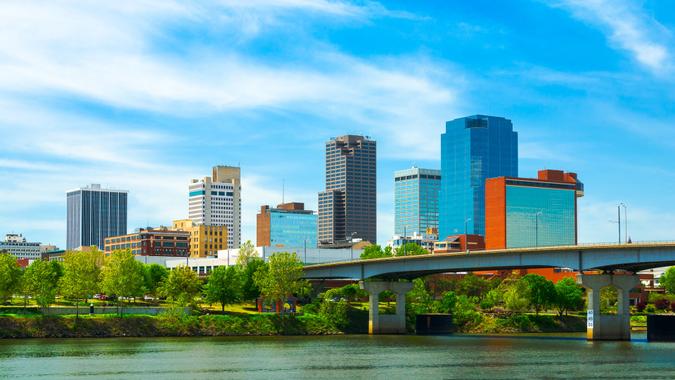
(353, 356)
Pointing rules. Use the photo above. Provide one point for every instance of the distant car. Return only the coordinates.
(148, 298)
(101, 297)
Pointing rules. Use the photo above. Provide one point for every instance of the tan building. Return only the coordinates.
(205, 241)
(149, 241)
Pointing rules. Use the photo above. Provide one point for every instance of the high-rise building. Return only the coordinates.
(16, 244)
(160, 241)
(416, 194)
(205, 240)
(528, 212)
(288, 225)
(95, 214)
(348, 206)
(216, 201)
(473, 149)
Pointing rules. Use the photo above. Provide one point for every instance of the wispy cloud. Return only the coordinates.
(628, 27)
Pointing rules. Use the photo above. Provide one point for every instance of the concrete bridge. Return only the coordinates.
(385, 273)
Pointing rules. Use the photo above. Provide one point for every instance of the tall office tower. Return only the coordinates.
(473, 149)
(95, 214)
(216, 201)
(348, 206)
(416, 194)
(288, 225)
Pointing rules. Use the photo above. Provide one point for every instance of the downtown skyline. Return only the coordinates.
(149, 99)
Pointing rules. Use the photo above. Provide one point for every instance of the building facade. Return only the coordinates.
(529, 212)
(95, 214)
(151, 242)
(416, 193)
(16, 244)
(205, 240)
(216, 201)
(288, 225)
(473, 149)
(348, 206)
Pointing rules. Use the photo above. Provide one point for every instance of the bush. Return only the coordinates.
(640, 307)
(464, 312)
(661, 304)
(650, 309)
(335, 313)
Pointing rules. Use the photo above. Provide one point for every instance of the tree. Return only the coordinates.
(81, 272)
(542, 291)
(154, 275)
(516, 294)
(223, 286)
(247, 253)
(10, 276)
(251, 291)
(667, 280)
(281, 277)
(40, 281)
(568, 295)
(375, 251)
(473, 286)
(181, 286)
(122, 275)
(411, 249)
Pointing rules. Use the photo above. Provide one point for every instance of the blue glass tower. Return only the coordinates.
(416, 200)
(473, 149)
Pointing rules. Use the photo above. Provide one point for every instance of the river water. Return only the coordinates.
(353, 357)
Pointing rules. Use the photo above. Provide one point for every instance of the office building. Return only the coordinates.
(149, 241)
(95, 214)
(216, 201)
(205, 240)
(288, 225)
(528, 212)
(348, 206)
(16, 244)
(416, 193)
(473, 149)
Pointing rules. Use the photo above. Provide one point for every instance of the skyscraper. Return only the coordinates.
(95, 214)
(216, 201)
(348, 206)
(416, 194)
(287, 225)
(473, 149)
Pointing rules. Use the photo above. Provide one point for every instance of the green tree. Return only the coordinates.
(281, 277)
(542, 291)
(516, 294)
(223, 286)
(81, 271)
(448, 301)
(473, 286)
(122, 275)
(568, 295)
(40, 281)
(181, 286)
(250, 290)
(375, 251)
(464, 311)
(154, 275)
(10, 276)
(247, 253)
(667, 280)
(419, 297)
(411, 249)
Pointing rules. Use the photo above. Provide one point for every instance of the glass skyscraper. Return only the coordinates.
(95, 214)
(288, 225)
(416, 194)
(473, 149)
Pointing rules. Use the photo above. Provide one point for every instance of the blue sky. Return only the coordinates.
(145, 95)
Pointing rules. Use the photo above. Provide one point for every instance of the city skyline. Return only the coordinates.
(135, 95)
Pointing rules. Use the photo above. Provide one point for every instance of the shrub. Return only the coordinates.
(650, 309)
(640, 307)
(335, 313)
(661, 304)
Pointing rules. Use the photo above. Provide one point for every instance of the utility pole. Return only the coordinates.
(625, 221)
(618, 213)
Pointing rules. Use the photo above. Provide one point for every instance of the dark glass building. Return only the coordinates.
(348, 207)
(95, 214)
(473, 149)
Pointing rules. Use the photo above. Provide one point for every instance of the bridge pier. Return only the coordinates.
(608, 327)
(386, 324)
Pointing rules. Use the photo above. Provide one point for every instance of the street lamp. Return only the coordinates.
(536, 228)
(625, 221)
(466, 222)
(351, 246)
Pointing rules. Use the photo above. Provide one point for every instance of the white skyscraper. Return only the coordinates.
(216, 201)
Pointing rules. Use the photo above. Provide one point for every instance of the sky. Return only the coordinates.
(145, 95)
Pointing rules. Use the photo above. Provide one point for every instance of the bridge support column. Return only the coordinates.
(608, 327)
(386, 324)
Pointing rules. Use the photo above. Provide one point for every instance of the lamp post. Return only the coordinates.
(618, 216)
(536, 228)
(466, 223)
(351, 245)
(625, 221)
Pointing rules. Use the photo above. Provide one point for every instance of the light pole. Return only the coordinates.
(618, 215)
(536, 228)
(351, 245)
(466, 223)
(625, 221)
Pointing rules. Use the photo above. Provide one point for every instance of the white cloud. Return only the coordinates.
(627, 27)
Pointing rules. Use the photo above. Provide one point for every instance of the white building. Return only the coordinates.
(17, 245)
(216, 201)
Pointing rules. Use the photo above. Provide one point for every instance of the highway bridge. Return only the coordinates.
(383, 274)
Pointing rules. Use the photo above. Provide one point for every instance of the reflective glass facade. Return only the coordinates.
(473, 149)
(94, 214)
(292, 229)
(540, 216)
(416, 194)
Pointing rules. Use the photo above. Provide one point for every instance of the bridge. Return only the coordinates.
(384, 274)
